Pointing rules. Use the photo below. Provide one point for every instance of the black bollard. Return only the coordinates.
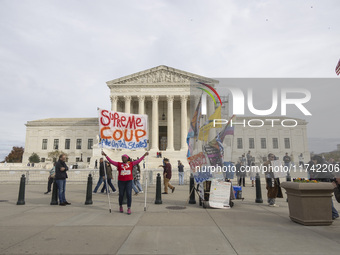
(21, 196)
(192, 190)
(54, 198)
(258, 189)
(89, 191)
(158, 200)
(288, 179)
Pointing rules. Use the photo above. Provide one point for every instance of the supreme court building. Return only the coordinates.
(163, 93)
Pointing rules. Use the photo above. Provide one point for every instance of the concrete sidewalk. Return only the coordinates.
(247, 228)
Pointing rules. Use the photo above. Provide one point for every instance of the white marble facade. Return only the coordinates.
(163, 94)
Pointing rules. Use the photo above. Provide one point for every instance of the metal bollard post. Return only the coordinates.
(158, 190)
(54, 198)
(258, 189)
(21, 196)
(288, 179)
(89, 191)
(192, 190)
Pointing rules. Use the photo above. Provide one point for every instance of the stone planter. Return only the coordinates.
(309, 203)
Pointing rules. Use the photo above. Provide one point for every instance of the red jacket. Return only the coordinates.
(124, 169)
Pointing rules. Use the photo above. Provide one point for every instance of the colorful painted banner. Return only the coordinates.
(120, 130)
(197, 160)
(204, 131)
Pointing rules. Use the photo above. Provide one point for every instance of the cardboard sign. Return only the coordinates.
(219, 194)
(120, 130)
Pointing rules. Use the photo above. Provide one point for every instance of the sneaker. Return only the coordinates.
(173, 190)
(67, 203)
(274, 205)
(114, 191)
(141, 192)
(335, 217)
(94, 192)
(128, 211)
(121, 209)
(47, 192)
(165, 193)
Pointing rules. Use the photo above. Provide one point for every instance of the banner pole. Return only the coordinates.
(107, 187)
(146, 181)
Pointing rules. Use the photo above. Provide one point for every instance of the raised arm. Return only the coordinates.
(110, 160)
(136, 162)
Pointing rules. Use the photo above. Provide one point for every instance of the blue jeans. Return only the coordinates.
(134, 187)
(335, 213)
(61, 190)
(100, 181)
(109, 182)
(138, 185)
(181, 178)
(125, 186)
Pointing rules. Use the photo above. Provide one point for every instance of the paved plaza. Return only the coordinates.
(247, 228)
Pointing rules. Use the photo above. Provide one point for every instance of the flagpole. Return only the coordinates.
(107, 188)
(146, 180)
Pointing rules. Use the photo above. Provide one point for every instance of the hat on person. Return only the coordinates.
(127, 157)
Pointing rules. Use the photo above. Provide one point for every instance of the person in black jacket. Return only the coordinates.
(60, 178)
(101, 177)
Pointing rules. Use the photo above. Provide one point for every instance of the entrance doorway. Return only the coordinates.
(163, 135)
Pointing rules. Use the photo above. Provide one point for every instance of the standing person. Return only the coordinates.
(60, 178)
(125, 178)
(180, 173)
(136, 186)
(101, 177)
(249, 157)
(252, 173)
(272, 184)
(287, 160)
(167, 176)
(50, 179)
(242, 174)
(244, 159)
(301, 160)
(109, 179)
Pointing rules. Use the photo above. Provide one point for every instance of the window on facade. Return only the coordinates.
(263, 143)
(44, 144)
(90, 144)
(251, 143)
(239, 143)
(88, 159)
(275, 143)
(56, 144)
(287, 143)
(78, 146)
(67, 144)
(77, 159)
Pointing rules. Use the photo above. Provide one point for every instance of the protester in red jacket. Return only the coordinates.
(125, 178)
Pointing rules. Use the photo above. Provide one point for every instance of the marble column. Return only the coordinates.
(154, 130)
(170, 139)
(141, 103)
(184, 122)
(114, 100)
(127, 104)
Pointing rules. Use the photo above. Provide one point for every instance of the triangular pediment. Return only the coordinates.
(161, 75)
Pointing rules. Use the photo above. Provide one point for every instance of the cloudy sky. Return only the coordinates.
(55, 56)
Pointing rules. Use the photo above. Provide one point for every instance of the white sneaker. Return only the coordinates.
(141, 192)
(274, 205)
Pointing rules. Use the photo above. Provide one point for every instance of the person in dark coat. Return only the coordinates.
(60, 179)
(272, 184)
(167, 173)
(101, 177)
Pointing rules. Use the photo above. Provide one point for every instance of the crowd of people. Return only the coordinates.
(129, 173)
